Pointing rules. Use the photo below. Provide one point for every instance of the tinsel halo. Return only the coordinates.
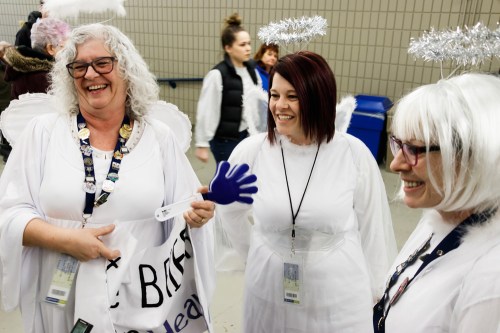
(463, 47)
(293, 30)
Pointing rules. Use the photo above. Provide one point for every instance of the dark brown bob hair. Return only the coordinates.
(314, 83)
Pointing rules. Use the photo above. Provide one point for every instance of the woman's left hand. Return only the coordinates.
(201, 212)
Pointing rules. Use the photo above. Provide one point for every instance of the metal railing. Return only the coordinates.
(172, 82)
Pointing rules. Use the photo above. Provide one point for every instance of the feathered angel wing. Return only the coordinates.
(178, 121)
(255, 110)
(344, 108)
(20, 111)
(72, 8)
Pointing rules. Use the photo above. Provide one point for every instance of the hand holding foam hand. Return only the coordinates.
(231, 184)
(227, 186)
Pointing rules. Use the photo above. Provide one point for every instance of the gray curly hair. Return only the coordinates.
(142, 89)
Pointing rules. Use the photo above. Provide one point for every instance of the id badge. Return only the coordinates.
(62, 280)
(292, 280)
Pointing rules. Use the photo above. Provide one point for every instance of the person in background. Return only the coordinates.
(28, 67)
(23, 36)
(44, 12)
(221, 121)
(4, 90)
(75, 177)
(266, 58)
(446, 150)
(321, 238)
(4, 102)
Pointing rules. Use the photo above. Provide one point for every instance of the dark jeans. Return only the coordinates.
(222, 148)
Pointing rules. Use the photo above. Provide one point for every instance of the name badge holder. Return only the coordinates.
(292, 279)
(67, 266)
(62, 280)
(293, 266)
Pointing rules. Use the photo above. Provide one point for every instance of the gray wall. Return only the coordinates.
(366, 41)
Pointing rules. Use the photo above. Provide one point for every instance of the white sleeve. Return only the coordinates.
(483, 317)
(477, 308)
(259, 78)
(374, 220)
(19, 188)
(208, 109)
(180, 183)
(234, 219)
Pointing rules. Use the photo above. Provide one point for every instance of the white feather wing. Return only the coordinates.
(72, 8)
(20, 111)
(345, 108)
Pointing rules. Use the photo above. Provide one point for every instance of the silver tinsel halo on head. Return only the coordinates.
(293, 31)
(463, 47)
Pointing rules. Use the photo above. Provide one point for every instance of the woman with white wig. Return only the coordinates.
(446, 147)
(80, 190)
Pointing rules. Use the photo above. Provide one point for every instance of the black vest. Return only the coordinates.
(232, 98)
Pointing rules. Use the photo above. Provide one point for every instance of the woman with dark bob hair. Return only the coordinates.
(321, 235)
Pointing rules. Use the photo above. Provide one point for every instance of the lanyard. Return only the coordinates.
(294, 215)
(89, 185)
(449, 243)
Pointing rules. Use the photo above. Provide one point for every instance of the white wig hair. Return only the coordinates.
(461, 115)
(142, 89)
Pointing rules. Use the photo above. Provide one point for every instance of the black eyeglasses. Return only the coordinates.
(410, 152)
(102, 65)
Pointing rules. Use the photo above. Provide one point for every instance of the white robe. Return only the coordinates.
(456, 293)
(343, 233)
(43, 179)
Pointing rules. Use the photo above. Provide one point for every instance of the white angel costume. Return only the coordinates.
(43, 179)
(458, 292)
(344, 238)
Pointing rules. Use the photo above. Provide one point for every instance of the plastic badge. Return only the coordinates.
(62, 280)
(227, 186)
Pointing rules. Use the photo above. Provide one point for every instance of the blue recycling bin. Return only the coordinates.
(368, 122)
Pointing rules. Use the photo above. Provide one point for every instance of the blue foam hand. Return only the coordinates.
(230, 185)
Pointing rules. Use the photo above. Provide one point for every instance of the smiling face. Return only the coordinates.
(99, 94)
(417, 187)
(285, 107)
(240, 50)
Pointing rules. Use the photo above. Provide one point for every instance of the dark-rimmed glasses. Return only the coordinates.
(410, 152)
(102, 65)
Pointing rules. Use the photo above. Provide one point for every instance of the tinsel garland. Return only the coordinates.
(292, 31)
(464, 47)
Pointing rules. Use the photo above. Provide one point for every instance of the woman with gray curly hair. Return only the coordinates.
(446, 150)
(79, 195)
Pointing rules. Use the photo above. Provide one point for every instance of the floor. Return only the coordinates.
(227, 304)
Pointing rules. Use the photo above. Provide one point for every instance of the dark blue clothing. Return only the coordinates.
(264, 76)
(222, 148)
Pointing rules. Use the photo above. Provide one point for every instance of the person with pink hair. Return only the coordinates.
(27, 68)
